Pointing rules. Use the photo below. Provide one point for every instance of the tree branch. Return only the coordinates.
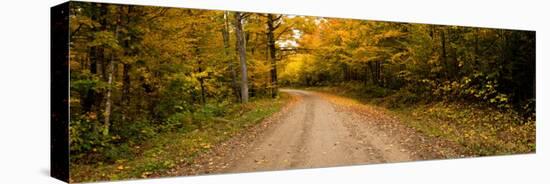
(278, 18)
(276, 26)
(245, 15)
(284, 30)
(161, 13)
(76, 31)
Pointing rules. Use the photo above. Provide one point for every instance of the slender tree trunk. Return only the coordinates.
(101, 63)
(444, 52)
(110, 78)
(126, 69)
(272, 54)
(198, 59)
(377, 72)
(108, 98)
(476, 48)
(93, 99)
(201, 82)
(90, 98)
(126, 84)
(372, 66)
(225, 35)
(108, 101)
(346, 71)
(366, 76)
(242, 55)
(455, 68)
(201, 78)
(381, 76)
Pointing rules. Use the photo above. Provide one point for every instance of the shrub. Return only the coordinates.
(114, 153)
(135, 131)
(374, 91)
(178, 121)
(402, 98)
(85, 137)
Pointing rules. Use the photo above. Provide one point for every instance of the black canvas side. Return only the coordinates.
(59, 91)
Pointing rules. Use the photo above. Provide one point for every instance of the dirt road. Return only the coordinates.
(314, 134)
(321, 130)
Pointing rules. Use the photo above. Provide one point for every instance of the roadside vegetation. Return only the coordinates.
(481, 129)
(164, 151)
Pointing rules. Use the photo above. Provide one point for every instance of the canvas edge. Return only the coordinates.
(59, 91)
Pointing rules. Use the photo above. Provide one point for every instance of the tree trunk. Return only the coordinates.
(225, 35)
(454, 63)
(366, 76)
(242, 55)
(101, 63)
(197, 55)
(126, 69)
(94, 99)
(476, 48)
(345, 71)
(272, 54)
(108, 99)
(201, 81)
(377, 73)
(372, 66)
(125, 84)
(110, 75)
(381, 76)
(444, 52)
(90, 97)
(201, 78)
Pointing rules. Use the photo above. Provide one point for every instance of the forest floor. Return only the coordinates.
(321, 130)
(166, 151)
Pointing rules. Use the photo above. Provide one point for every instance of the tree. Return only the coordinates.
(272, 24)
(241, 48)
(226, 41)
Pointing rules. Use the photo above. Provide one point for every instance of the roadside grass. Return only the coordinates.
(167, 150)
(482, 131)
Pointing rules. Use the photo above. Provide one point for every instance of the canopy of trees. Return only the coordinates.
(417, 61)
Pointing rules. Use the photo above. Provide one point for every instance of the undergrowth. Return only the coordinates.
(481, 130)
(167, 150)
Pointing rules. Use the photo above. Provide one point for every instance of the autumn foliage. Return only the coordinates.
(139, 72)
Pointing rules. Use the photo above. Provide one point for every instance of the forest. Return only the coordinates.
(144, 76)
(491, 66)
